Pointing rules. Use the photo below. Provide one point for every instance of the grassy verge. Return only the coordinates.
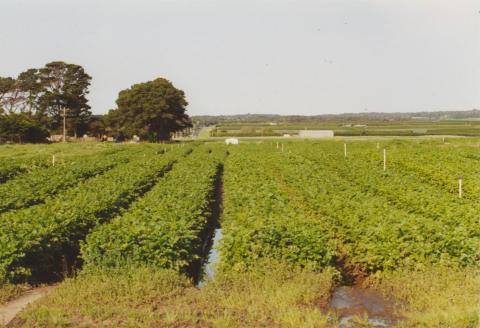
(273, 296)
(434, 297)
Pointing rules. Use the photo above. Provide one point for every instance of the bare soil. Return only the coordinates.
(9, 310)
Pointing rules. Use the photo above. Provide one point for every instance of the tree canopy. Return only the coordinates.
(31, 106)
(38, 95)
(151, 110)
(21, 127)
(64, 86)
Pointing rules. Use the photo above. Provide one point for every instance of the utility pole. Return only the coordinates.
(64, 125)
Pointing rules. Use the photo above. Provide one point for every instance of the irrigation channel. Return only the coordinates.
(212, 259)
(211, 256)
(348, 302)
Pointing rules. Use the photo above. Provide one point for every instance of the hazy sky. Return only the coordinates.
(287, 57)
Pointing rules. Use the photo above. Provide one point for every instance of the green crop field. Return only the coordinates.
(352, 128)
(125, 232)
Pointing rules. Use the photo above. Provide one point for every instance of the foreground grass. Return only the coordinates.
(270, 297)
(435, 297)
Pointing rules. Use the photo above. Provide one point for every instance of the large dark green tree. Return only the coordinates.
(65, 86)
(98, 126)
(21, 127)
(37, 98)
(151, 110)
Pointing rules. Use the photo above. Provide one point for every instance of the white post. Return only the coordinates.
(277, 144)
(53, 160)
(345, 149)
(443, 138)
(460, 187)
(384, 159)
(282, 147)
(64, 125)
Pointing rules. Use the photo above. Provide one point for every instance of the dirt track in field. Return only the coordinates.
(9, 310)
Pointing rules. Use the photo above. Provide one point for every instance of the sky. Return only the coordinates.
(259, 56)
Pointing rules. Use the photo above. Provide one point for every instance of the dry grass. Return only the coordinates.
(273, 297)
(435, 297)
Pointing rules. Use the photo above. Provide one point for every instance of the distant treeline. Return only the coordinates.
(261, 118)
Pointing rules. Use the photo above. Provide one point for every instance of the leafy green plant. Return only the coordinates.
(167, 226)
(37, 242)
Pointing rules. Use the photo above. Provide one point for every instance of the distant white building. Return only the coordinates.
(232, 141)
(315, 133)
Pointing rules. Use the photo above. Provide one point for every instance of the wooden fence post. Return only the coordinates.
(384, 159)
(460, 191)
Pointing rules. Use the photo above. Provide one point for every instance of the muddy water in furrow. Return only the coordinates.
(354, 304)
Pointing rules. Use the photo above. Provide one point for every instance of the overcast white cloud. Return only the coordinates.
(287, 57)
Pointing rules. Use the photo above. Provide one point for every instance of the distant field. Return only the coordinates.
(382, 128)
(298, 222)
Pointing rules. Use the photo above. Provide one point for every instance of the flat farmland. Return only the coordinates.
(388, 128)
(334, 233)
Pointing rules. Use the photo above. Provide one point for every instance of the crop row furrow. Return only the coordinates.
(35, 187)
(416, 196)
(168, 226)
(437, 169)
(37, 241)
(376, 235)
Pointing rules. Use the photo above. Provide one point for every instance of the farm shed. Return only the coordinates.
(315, 133)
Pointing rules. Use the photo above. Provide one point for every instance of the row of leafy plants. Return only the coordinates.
(10, 168)
(419, 194)
(437, 165)
(382, 221)
(39, 243)
(373, 220)
(170, 225)
(27, 159)
(36, 186)
(261, 219)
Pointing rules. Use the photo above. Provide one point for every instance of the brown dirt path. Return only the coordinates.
(9, 310)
